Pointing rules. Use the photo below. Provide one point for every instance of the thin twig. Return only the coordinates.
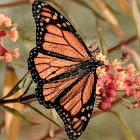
(123, 99)
(9, 101)
(15, 86)
(130, 40)
(122, 103)
(2, 125)
(15, 3)
(28, 98)
(27, 88)
(18, 100)
(45, 116)
(112, 105)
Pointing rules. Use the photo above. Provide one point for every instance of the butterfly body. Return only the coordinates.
(63, 69)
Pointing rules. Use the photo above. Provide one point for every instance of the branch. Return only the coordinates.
(9, 101)
(15, 3)
(24, 99)
(130, 40)
(112, 105)
(29, 98)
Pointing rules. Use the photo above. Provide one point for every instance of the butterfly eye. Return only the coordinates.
(99, 63)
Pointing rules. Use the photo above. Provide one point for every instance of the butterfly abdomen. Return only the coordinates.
(82, 69)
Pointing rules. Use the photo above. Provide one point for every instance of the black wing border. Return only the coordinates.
(37, 8)
(64, 115)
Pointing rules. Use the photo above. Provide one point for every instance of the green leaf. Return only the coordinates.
(18, 114)
(45, 116)
(111, 9)
(126, 129)
(15, 88)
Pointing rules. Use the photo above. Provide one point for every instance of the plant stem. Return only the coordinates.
(18, 100)
(127, 131)
(15, 3)
(9, 94)
(112, 105)
(9, 101)
(130, 40)
(36, 110)
(28, 98)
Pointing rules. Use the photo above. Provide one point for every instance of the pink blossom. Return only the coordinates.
(107, 78)
(3, 50)
(115, 77)
(2, 15)
(131, 68)
(7, 22)
(137, 80)
(129, 76)
(120, 77)
(105, 105)
(13, 33)
(100, 82)
(15, 53)
(8, 57)
(126, 56)
(100, 71)
(137, 94)
(103, 58)
(106, 88)
(7, 54)
(2, 57)
(116, 64)
(109, 91)
(128, 87)
(4, 20)
(2, 33)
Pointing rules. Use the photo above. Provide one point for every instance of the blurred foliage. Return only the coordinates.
(119, 24)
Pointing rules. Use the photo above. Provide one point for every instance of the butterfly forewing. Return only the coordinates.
(61, 66)
(55, 34)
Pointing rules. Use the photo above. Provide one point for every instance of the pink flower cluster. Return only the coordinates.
(106, 88)
(6, 30)
(116, 76)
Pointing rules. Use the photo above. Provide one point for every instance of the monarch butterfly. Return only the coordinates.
(63, 69)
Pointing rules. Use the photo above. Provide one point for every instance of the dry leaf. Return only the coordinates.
(107, 14)
(136, 16)
(125, 6)
(12, 122)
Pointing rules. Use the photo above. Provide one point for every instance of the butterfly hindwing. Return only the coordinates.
(76, 103)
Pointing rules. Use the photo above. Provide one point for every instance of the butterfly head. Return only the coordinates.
(99, 63)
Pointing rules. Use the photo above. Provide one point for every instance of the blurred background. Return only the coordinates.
(89, 21)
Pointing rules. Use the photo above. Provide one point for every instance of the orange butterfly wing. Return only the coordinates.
(75, 104)
(60, 65)
(56, 35)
